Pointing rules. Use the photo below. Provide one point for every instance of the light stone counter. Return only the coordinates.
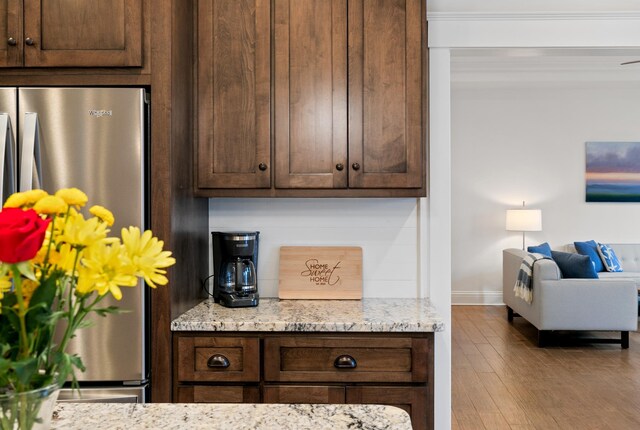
(180, 416)
(366, 315)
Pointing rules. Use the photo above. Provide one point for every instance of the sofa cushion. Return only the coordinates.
(622, 276)
(590, 248)
(574, 265)
(543, 249)
(609, 258)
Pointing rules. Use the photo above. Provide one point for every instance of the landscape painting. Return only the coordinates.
(613, 172)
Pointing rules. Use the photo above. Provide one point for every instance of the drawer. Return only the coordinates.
(218, 394)
(218, 359)
(345, 359)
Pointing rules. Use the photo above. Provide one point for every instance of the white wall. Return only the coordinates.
(525, 140)
(386, 229)
(466, 6)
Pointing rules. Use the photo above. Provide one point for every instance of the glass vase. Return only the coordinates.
(29, 410)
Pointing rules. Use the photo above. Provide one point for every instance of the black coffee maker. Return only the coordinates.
(235, 259)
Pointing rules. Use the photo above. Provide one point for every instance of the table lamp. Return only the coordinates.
(524, 220)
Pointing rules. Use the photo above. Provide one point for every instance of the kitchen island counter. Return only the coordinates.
(166, 416)
(274, 315)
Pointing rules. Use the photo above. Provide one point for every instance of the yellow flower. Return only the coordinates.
(72, 196)
(24, 199)
(103, 214)
(81, 233)
(147, 255)
(50, 205)
(66, 259)
(5, 285)
(105, 268)
(28, 287)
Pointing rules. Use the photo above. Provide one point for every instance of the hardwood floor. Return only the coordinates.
(502, 380)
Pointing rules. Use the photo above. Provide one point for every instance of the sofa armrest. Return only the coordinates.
(586, 304)
(511, 261)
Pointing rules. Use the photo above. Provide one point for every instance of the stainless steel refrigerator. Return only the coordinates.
(93, 139)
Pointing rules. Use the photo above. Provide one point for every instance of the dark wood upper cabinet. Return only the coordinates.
(71, 33)
(234, 94)
(10, 33)
(347, 99)
(385, 93)
(311, 93)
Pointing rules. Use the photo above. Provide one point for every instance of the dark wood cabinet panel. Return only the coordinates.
(71, 33)
(411, 399)
(218, 394)
(303, 394)
(386, 93)
(234, 76)
(310, 47)
(11, 43)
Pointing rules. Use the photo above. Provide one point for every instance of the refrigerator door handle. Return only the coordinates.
(7, 146)
(30, 153)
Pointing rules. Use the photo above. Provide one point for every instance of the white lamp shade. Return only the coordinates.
(524, 220)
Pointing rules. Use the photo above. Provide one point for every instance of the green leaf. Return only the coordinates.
(26, 269)
(25, 369)
(45, 293)
(40, 304)
(103, 312)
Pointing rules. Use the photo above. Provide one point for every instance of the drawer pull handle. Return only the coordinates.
(345, 362)
(218, 361)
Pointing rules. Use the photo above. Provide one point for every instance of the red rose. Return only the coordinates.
(21, 234)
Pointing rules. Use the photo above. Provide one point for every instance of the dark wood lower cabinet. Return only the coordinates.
(411, 399)
(393, 369)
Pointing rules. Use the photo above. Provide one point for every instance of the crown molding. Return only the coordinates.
(577, 69)
(533, 16)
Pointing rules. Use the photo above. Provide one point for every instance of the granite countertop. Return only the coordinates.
(168, 416)
(366, 315)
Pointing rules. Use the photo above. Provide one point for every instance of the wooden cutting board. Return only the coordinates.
(320, 272)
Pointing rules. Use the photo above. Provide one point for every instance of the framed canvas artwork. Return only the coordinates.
(613, 172)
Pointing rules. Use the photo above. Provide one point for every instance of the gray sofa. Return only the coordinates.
(606, 304)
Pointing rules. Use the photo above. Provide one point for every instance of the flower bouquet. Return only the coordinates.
(56, 266)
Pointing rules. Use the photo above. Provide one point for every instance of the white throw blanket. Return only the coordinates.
(524, 281)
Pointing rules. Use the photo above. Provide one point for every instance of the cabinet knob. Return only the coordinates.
(11, 41)
(339, 167)
(262, 166)
(218, 361)
(345, 362)
(355, 166)
(29, 41)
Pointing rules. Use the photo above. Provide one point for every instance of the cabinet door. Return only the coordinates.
(83, 33)
(411, 399)
(311, 93)
(303, 394)
(10, 33)
(234, 94)
(386, 93)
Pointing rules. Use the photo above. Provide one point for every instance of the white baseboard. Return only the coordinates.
(493, 298)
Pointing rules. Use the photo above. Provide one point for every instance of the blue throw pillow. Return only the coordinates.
(609, 258)
(574, 265)
(590, 248)
(543, 249)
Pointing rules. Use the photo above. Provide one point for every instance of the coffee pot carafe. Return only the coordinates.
(235, 258)
(238, 276)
